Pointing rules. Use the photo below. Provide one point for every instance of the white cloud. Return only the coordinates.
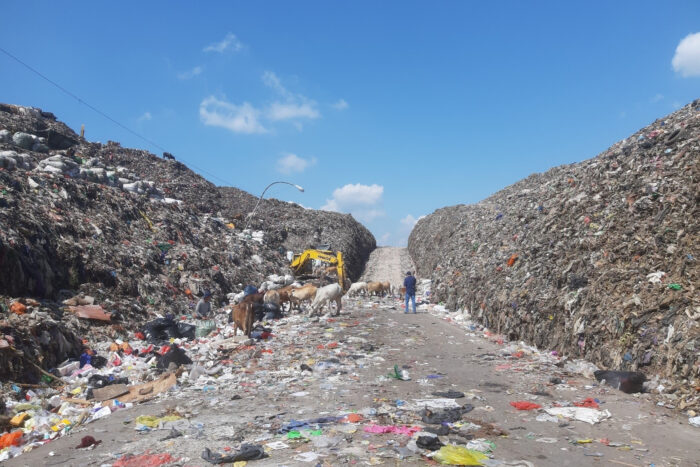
(271, 80)
(287, 111)
(410, 221)
(293, 106)
(145, 117)
(385, 238)
(237, 118)
(404, 229)
(362, 201)
(291, 163)
(686, 60)
(230, 42)
(189, 74)
(340, 105)
(656, 98)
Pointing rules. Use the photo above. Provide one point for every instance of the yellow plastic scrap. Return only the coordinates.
(584, 441)
(153, 422)
(458, 455)
(18, 420)
(150, 223)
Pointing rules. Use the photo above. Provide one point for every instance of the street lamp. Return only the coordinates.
(250, 216)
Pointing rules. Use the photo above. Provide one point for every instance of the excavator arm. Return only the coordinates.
(301, 262)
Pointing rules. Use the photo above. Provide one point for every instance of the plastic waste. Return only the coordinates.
(626, 381)
(525, 405)
(458, 455)
(247, 452)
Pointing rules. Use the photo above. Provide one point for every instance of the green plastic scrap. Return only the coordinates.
(675, 286)
(397, 374)
(294, 434)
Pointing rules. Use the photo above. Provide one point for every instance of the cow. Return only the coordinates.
(356, 288)
(386, 288)
(285, 294)
(307, 292)
(272, 296)
(167, 155)
(254, 298)
(243, 317)
(374, 288)
(324, 295)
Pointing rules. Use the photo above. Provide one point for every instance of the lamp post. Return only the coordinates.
(250, 216)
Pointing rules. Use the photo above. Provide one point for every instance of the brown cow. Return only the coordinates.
(374, 288)
(272, 296)
(307, 292)
(285, 295)
(254, 298)
(386, 287)
(243, 317)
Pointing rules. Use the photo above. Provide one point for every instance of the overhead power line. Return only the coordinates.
(103, 114)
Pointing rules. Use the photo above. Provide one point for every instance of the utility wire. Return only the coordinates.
(98, 111)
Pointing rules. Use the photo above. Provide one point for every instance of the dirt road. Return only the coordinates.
(265, 393)
(388, 264)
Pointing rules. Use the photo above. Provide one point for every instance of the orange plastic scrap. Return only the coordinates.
(18, 308)
(525, 405)
(513, 258)
(10, 439)
(352, 418)
(90, 312)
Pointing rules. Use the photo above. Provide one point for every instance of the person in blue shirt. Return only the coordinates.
(410, 283)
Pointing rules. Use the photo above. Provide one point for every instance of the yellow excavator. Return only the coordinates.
(302, 263)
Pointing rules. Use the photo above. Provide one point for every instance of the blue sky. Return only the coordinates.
(388, 110)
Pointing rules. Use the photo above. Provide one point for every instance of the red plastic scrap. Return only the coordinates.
(587, 402)
(525, 405)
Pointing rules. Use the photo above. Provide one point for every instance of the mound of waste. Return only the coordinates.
(137, 234)
(597, 259)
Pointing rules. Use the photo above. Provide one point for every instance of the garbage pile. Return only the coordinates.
(139, 234)
(595, 260)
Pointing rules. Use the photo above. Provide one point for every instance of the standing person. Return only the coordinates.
(203, 307)
(410, 283)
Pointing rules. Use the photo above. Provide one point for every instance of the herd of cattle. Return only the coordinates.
(293, 296)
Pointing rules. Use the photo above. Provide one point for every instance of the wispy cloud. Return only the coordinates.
(189, 74)
(686, 60)
(290, 111)
(145, 117)
(656, 98)
(405, 227)
(362, 201)
(292, 106)
(230, 42)
(291, 163)
(242, 118)
(340, 105)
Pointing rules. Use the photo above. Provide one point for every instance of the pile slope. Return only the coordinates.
(141, 234)
(597, 259)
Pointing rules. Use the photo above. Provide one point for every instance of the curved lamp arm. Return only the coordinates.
(250, 216)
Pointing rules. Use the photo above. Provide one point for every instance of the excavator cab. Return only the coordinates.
(302, 263)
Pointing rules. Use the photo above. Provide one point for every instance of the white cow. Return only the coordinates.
(324, 295)
(356, 288)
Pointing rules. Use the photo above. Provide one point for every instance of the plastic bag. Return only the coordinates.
(204, 327)
(457, 455)
(525, 405)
